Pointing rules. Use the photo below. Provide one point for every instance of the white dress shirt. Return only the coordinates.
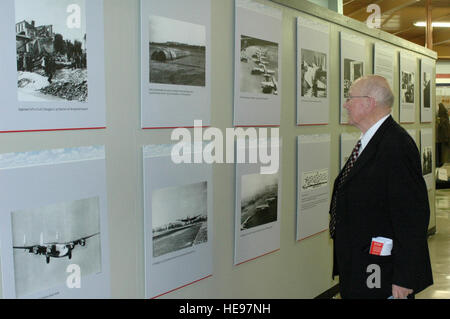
(366, 137)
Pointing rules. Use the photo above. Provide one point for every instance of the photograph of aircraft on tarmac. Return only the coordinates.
(48, 239)
(259, 200)
(179, 218)
(259, 66)
(177, 52)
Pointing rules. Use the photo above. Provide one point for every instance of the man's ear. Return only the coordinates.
(371, 103)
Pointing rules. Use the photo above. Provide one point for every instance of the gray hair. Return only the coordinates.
(377, 87)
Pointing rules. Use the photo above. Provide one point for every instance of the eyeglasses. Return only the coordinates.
(357, 96)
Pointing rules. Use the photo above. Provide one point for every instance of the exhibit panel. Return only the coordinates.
(176, 63)
(426, 154)
(313, 50)
(257, 64)
(426, 96)
(383, 62)
(407, 78)
(413, 134)
(53, 75)
(177, 220)
(313, 184)
(353, 57)
(54, 224)
(258, 202)
(348, 142)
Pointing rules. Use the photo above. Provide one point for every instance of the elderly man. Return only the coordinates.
(380, 192)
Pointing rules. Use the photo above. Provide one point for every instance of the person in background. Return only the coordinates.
(442, 136)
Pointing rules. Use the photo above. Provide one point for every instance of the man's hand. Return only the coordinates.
(400, 292)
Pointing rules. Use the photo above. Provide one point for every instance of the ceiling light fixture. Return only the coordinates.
(434, 24)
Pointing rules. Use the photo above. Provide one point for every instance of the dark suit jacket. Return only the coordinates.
(383, 195)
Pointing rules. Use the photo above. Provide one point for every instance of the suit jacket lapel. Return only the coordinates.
(370, 149)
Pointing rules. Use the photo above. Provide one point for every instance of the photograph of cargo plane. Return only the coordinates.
(55, 249)
(177, 52)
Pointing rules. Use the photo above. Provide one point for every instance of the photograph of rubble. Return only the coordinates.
(259, 200)
(407, 89)
(177, 52)
(427, 160)
(51, 50)
(259, 66)
(179, 218)
(353, 70)
(47, 239)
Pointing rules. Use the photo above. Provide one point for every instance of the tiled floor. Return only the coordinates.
(439, 245)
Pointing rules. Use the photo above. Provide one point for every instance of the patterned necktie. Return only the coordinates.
(348, 166)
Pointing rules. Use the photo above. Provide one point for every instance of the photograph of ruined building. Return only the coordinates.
(51, 50)
(177, 52)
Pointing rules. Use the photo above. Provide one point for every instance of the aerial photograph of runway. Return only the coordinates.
(259, 200)
(259, 66)
(177, 52)
(179, 218)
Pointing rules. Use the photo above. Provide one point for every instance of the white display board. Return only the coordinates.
(413, 134)
(258, 208)
(176, 63)
(313, 56)
(348, 142)
(52, 65)
(426, 92)
(257, 71)
(313, 184)
(177, 221)
(54, 224)
(383, 62)
(426, 155)
(353, 52)
(407, 87)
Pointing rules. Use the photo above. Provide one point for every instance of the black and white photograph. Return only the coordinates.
(51, 50)
(426, 90)
(353, 70)
(427, 160)
(177, 52)
(407, 87)
(179, 218)
(46, 240)
(259, 200)
(259, 66)
(313, 74)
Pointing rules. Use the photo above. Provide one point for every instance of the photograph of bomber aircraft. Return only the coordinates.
(48, 238)
(259, 66)
(259, 200)
(179, 218)
(55, 249)
(177, 52)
